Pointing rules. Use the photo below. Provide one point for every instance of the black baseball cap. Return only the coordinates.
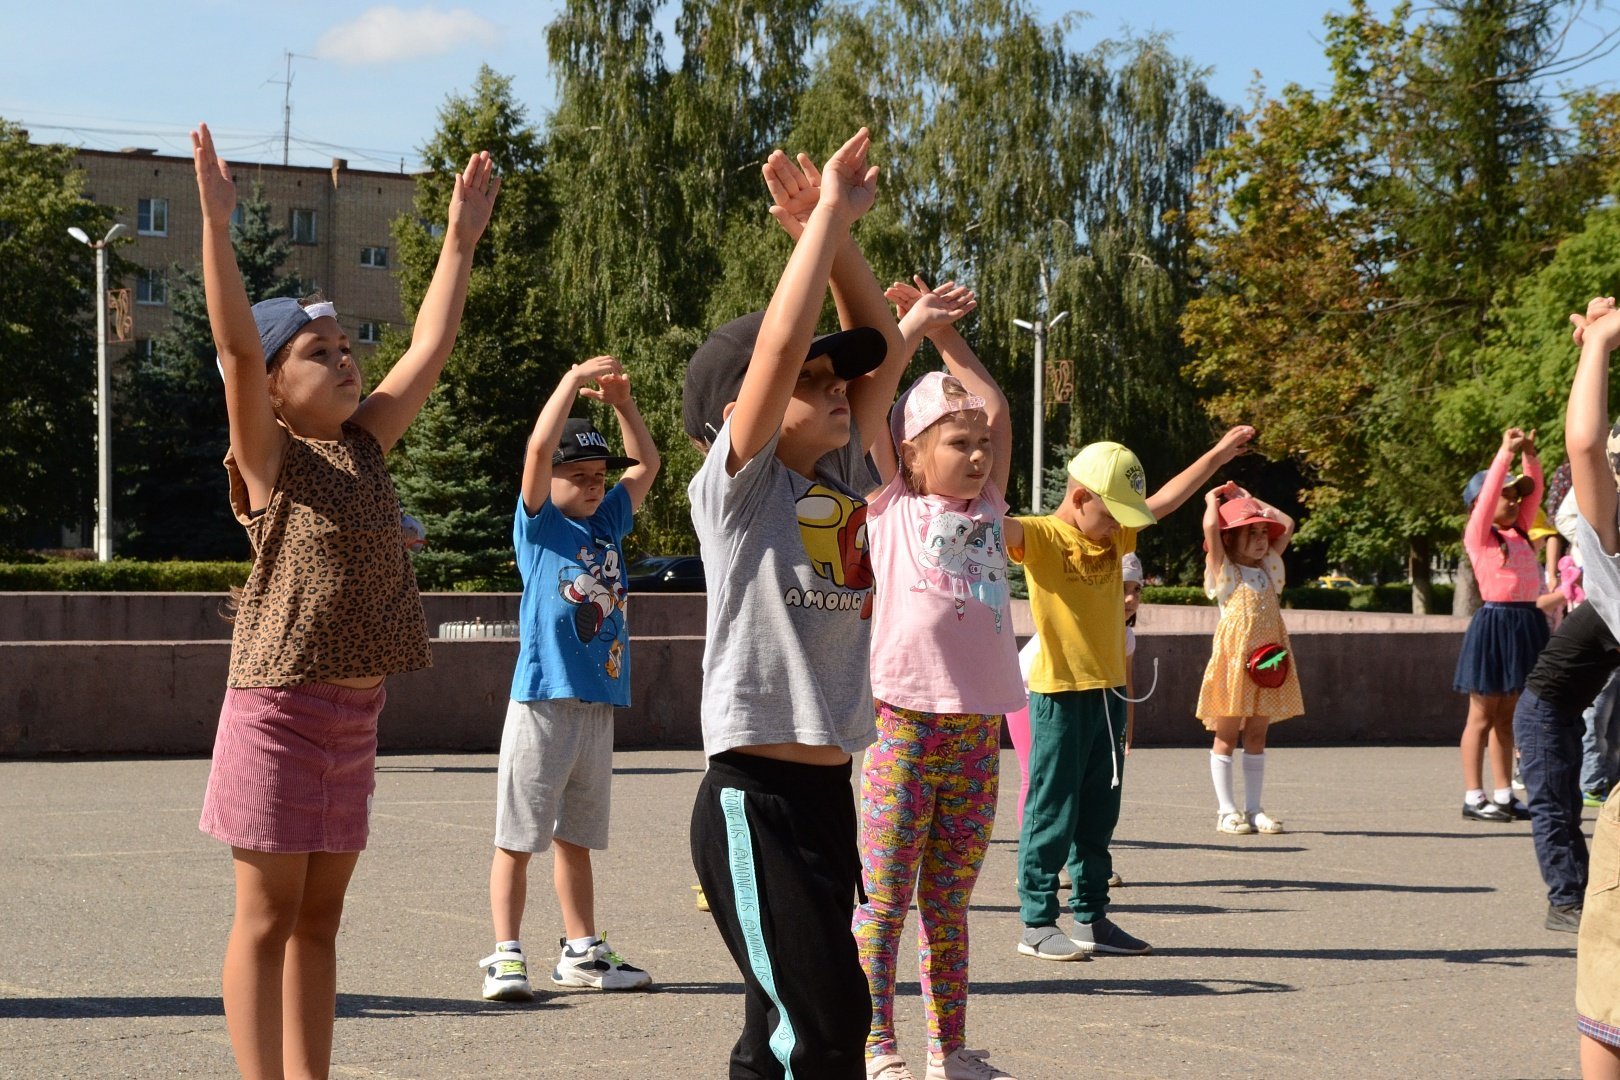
(715, 373)
(582, 442)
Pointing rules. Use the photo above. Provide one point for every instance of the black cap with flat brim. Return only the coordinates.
(582, 442)
(715, 373)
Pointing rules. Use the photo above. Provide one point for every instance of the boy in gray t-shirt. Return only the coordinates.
(779, 511)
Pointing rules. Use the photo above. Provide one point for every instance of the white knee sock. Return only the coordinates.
(1254, 780)
(1220, 771)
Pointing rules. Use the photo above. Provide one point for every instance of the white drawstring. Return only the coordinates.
(1113, 750)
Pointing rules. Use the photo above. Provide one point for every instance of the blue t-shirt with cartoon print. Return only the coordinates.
(575, 643)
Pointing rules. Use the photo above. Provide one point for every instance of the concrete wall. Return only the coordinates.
(1365, 678)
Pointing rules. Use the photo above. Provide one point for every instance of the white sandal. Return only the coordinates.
(1234, 823)
(1265, 823)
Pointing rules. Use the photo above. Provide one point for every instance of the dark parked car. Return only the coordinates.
(667, 573)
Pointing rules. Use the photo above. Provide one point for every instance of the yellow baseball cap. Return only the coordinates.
(1113, 474)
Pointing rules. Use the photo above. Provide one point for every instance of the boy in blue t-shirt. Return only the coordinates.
(556, 763)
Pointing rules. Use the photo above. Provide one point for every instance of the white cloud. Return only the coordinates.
(386, 34)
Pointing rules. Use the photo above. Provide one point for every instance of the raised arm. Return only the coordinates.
(1586, 421)
(1477, 533)
(258, 441)
(1181, 486)
(921, 312)
(1532, 468)
(1279, 545)
(638, 479)
(790, 318)
(389, 409)
(548, 427)
(1214, 550)
(796, 188)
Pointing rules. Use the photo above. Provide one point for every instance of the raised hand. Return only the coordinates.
(1234, 443)
(1512, 439)
(1595, 310)
(930, 309)
(795, 187)
(215, 188)
(848, 182)
(598, 370)
(612, 390)
(474, 198)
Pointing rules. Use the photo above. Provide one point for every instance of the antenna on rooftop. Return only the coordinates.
(286, 101)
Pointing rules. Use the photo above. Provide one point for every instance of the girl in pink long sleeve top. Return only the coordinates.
(1508, 633)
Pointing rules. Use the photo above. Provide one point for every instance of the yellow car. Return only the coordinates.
(1335, 581)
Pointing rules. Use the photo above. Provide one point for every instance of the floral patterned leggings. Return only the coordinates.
(928, 801)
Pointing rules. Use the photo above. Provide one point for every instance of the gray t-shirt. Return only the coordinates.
(790, 599)
(1600, 575)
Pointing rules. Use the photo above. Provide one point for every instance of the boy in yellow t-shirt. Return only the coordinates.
(1071, 560)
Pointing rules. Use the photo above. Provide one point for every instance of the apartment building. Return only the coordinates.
(337, 220)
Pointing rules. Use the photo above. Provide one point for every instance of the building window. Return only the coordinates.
(374, 256)
(370, 333)
(152, 217)
(151, 287)
(303, 227)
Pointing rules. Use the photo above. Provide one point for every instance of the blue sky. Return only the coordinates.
(369, 78)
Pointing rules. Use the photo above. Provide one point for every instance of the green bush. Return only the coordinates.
(1184, 595)
(1314, 599)
(1397, 597)
(122, 575)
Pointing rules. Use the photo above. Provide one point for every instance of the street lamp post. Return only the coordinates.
(103, 391)
(1039, 329)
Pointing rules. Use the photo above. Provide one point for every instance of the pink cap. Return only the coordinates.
(1236, 513)
(935, 395)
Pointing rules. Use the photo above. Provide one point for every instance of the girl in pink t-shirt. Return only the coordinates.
(1508, 633)
(944, 670)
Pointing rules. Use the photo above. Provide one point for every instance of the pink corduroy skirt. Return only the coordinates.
(294, 768)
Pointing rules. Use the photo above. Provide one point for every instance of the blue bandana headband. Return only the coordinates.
(278, 321)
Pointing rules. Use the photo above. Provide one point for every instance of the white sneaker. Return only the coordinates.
(888, 1067)
(597, 968)
(506, 977)
(966, 1065)
(1265, 823)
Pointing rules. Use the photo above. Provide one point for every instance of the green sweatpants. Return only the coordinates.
(1077, 742)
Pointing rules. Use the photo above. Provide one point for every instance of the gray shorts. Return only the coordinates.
(555, 774)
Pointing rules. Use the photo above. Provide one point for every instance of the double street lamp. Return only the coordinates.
(103, 390)
(1039, 329)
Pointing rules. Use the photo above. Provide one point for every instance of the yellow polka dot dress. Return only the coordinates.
(1251, 616)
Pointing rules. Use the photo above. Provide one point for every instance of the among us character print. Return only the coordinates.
(832, 526)
(966, 559)
(595, 585)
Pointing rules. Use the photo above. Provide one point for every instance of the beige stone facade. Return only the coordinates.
(338, 220)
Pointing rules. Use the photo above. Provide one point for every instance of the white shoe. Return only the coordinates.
(506, 977)
(888, 1067)
(1265, 823)
(597, 968)
(1234, 823)
(966, 1065)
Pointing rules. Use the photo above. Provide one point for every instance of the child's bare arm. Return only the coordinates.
(1586, 421)
(548, 427)
(258, 441)
(849, 188)
(1214, 551)
(796, 189)
(389, 409)
(638, 479)
(1279, 545)
(920, 313)
(1180, 487)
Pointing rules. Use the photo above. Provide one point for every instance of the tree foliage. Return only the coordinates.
(47, 341)
(1359, 250)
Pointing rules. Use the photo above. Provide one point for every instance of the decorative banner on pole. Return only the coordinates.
(1059, 382)
(120, 321)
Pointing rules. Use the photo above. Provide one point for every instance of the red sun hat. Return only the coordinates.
(1236, 513)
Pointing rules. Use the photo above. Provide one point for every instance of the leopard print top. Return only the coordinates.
(332, 594)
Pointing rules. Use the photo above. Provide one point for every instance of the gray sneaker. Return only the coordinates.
(1103, 936)
(1564, 917)
(1049, 943)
